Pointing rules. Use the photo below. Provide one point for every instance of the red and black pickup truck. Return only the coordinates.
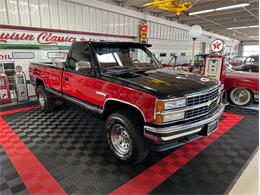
(145, 106)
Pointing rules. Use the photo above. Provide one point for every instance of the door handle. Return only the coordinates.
(66, 78)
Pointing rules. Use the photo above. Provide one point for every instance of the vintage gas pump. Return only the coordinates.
(215, 67)
(215, 63)
(5, 96)
(20, 83)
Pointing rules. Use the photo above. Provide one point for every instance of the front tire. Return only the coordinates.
(124, 136)
(45, 99)
(241, 96)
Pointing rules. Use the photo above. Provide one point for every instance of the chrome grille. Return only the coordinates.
(200, 99)
(201, 111)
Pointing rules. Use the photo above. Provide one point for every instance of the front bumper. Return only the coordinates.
(163, 138)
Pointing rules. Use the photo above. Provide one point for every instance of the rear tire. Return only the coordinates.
(241, 96)
(124, 136)
(45, 100)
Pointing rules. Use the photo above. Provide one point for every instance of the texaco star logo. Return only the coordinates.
(204, 79)
(217, 45)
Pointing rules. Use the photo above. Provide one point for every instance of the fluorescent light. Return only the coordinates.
(219, 9)
(233, 6)
(202, 12)
(243, 27)
(254, 26)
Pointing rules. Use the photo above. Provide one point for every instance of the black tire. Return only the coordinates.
(241, 101)
(132, 126)
(45, 100)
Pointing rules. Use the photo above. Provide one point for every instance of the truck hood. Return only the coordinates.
(165, 83)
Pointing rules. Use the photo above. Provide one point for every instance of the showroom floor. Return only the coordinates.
(66, 152)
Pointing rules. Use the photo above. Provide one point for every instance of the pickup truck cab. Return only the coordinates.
(145, 106)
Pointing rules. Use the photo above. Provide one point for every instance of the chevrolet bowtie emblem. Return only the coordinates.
(209, 103)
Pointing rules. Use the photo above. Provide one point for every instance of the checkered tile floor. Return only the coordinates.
(214, 169)
(71, 145)
(10, 182)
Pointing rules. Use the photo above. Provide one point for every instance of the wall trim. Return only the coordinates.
(63, 31)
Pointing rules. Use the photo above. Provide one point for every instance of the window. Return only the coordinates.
(248, 60)
(251, 50)
(162, 54)
(56, 54)
(183, 54)
(23, 55)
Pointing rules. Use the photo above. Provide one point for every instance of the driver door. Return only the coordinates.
(78, 79)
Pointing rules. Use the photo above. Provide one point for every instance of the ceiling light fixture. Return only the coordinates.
(219, 9)
(233, 6)
(202, 12)
(243, 27)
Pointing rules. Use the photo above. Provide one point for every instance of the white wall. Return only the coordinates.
(99, 17)
(60, 14)
(176, 47)
(92, 16)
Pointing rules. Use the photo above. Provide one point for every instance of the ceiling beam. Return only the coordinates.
(247, 10)
(223, 27)
(218, 14)
(229, 23)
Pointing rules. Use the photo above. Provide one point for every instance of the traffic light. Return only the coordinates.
(143, 32)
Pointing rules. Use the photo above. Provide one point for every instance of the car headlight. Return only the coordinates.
(171, 104)
(164, 118)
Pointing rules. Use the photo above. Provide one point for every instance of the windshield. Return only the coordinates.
(125, 58)
(252, 59)
(238, 58)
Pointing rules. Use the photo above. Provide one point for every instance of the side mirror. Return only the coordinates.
(83, 66)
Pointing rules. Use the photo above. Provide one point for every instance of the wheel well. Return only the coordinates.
(112, 106)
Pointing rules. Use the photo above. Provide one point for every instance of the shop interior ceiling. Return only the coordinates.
(237, 23)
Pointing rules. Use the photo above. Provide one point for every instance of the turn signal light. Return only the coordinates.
(159, 118)
(160, 106)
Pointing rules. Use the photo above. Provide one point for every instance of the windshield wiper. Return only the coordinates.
(118, 68)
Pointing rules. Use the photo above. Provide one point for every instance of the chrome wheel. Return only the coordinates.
(41, 100)
(120, 140)
(240, 96)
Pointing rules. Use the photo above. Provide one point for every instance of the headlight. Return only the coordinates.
(171, 104)
(164, 118)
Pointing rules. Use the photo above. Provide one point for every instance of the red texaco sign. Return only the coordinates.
(217, 45)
